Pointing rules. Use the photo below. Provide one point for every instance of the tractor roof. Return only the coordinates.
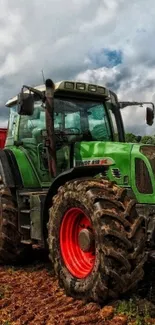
(75, 86)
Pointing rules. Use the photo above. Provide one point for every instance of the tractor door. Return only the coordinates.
(67, 127)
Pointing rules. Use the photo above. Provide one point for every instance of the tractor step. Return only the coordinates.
(30, 205)
(28, 193)
(26, 242)
(27, 227)
(25, 211)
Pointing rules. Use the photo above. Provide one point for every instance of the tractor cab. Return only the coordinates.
(83, 113)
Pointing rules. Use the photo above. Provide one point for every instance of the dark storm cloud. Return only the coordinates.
(123, 75)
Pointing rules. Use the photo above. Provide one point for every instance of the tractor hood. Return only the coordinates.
(130, 165)
(116, 154)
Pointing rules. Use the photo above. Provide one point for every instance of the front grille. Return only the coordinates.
(143, 180)
(116, 172)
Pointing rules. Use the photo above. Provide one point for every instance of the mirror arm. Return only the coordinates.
(35, 91)
(122, 105)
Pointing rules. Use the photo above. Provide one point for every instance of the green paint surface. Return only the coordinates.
(123, 155)
(119, 152)
(28, 175)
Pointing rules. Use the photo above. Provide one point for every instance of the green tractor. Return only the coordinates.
(70, 184)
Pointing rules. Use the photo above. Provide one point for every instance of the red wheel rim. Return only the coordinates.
(78, 262)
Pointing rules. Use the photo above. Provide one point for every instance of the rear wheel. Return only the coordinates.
(11, 249)
(96, 239)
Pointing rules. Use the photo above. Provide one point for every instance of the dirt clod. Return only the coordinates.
(107, 312)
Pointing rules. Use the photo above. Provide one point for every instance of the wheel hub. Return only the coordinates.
(77, 243)
(85, 239)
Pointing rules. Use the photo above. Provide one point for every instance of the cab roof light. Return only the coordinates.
(101, 90)
(92, 88)
(69, 85)
(80, 86)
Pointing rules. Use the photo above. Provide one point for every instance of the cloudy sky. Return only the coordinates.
(109, 42)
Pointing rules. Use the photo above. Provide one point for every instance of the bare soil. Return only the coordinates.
(31, 295)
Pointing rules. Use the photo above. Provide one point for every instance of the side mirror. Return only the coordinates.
(149, 116)
(138, 138)
(25, 104)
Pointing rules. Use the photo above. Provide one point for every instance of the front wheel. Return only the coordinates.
(96, 240)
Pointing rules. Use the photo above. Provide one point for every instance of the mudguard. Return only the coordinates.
(9, 169)
(73, 173)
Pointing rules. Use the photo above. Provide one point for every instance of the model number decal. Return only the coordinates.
(86, 162)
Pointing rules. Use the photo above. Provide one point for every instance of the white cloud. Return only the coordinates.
(59, 36)
(9, 22)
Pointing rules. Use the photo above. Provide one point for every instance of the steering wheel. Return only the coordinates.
(79, 132)
(60, 136)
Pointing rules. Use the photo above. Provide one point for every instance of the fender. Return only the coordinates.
(71, 174)
(9, 169)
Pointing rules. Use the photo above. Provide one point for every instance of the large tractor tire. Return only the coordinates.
(11, 249)
(96, 240)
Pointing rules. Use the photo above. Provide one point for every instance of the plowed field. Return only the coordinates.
(31, 295)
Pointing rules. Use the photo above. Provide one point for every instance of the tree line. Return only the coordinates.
(132, 138)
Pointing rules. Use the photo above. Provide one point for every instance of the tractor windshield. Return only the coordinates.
(84, 119)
